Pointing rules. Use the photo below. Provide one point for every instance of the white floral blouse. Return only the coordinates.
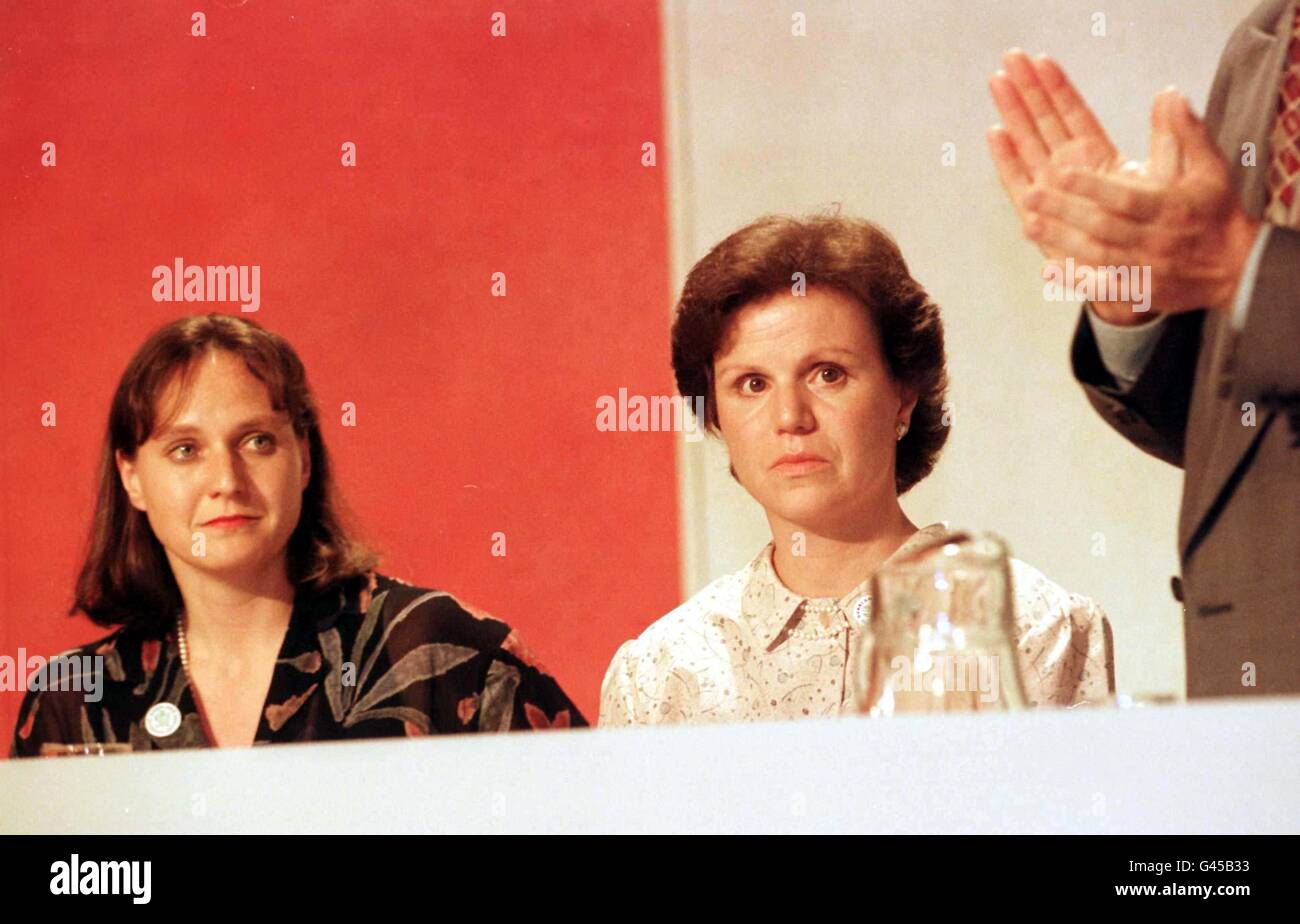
(743, 649)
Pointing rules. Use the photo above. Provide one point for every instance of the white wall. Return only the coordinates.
(857, 112)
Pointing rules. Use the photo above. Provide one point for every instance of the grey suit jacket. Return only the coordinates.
(1239, 527)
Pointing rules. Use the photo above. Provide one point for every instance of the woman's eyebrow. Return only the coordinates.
(803, 362)
(725, 370)
(830, 351)
(263, 422)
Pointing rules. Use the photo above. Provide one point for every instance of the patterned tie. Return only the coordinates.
(1284, 170)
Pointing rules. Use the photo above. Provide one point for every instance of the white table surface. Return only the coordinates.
(1215, 767)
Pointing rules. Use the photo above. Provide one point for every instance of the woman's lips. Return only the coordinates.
(798, 463)
(229, 522)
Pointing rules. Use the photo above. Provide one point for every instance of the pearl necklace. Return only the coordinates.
(802, 630)
(181, 644)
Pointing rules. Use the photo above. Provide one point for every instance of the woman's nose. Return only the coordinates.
(226, 473)
(793, 409)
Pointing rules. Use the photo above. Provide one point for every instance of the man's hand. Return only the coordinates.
(1044, 119)
(1046, 122)
(1179, 216)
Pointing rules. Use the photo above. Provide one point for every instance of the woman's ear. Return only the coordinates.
(304, 445)
(908, 397)
(127, 472)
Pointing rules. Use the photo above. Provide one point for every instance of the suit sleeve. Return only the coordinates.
(1151, 415)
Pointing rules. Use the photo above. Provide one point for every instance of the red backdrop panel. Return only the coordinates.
(474, 155)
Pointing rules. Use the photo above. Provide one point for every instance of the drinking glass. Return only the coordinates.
(942, 630)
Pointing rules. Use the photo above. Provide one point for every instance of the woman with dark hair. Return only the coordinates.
(243, 611)
(821, 364)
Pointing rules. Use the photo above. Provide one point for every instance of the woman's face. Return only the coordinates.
(808, 410)
(222, 482)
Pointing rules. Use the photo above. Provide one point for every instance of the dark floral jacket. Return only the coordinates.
(384, 660)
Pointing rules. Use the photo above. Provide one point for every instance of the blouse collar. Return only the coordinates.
(774, 611)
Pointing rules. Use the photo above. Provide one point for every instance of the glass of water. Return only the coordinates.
(942, 630)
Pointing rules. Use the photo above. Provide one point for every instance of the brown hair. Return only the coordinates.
(853, 256)
(125, 578)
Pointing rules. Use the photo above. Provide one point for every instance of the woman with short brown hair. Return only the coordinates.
(821, 364)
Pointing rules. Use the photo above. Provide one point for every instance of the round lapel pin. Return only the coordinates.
(862, 611)
(162, 719)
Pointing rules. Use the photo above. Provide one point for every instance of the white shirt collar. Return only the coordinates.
(773, 610)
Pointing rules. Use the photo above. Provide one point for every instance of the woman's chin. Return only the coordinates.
(228, 560)
(809, 512)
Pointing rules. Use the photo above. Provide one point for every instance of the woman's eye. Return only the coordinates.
(751, 384)
(262, 442)
(182, 452)
(829, 375)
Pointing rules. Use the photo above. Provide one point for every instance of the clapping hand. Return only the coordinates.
(1044, 121)
(1176, 215)
(1179, 215)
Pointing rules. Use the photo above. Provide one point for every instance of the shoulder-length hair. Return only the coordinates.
(125, 579)
(854, 256)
